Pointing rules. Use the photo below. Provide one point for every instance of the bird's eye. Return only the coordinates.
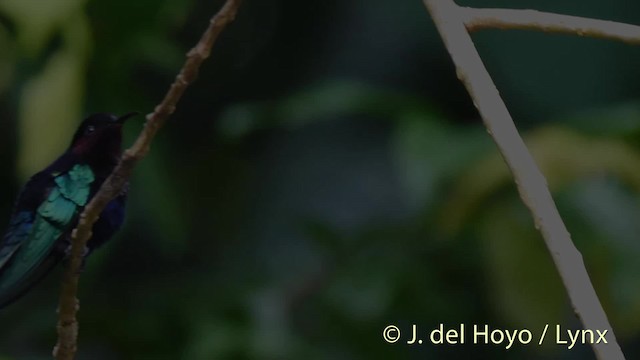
(90, 129)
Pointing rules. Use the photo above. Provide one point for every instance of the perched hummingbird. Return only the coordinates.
(49, 204)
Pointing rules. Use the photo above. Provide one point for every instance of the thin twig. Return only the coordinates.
(66, 346)
(478, 19)
(528, 178)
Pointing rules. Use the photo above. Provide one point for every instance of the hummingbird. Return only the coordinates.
(48, 206)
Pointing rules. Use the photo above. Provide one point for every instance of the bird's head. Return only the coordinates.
(99, 135)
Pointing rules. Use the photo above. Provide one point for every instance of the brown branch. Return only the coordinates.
(532, 185)
(66, 346)
(478, 19)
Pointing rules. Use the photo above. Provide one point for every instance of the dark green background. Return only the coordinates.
(326, 176)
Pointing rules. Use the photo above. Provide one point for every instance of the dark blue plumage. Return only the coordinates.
(48, 206)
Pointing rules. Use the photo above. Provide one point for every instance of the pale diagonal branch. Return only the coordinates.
(532, 186)
(65, 348)
(478, 19)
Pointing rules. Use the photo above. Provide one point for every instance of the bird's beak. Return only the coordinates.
(125, 117)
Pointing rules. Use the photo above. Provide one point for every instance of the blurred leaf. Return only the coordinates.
(562, 155)
(524, 286)
(523, 281)
(272, 336)
(620, 119)
(326, 236)
(319, 102)
(51, 102)
(166, 211)
(216, 340)
(50, 111)
(362, 293)
(7, 59)
(603, 216)
(38, 20)
(150, 44)
(429, 152)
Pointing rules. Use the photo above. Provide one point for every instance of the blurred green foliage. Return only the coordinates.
(325, 177)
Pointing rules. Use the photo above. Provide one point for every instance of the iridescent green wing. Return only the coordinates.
(17, 234)
(53, 218)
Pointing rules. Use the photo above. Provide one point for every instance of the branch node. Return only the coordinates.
(478, 19)
(454, 24)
